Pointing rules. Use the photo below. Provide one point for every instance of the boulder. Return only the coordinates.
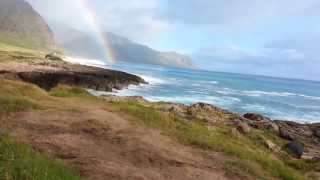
(274, 127)
(285, 134)
(270, 145)
(243, 127)
(317, 133)
(296, 148)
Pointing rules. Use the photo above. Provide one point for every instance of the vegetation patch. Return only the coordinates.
(69, 91)
(18, 161)
(17, 96)
(251, 155)
(248, 153)
(17, 49)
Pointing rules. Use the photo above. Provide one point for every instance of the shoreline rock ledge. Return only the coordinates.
(302, 139)
(48, 74)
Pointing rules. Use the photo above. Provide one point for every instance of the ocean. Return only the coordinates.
(277, 98)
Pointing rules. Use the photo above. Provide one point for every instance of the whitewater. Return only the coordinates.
(278, 98)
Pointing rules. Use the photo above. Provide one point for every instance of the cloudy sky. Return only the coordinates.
(268, 37)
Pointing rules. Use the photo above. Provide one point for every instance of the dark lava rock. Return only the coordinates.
(260, 122)
(48, 76)
(296, 148)
(91, 80)
(256, 117)
(201, 107)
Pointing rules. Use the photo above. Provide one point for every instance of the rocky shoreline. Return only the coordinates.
(47, 74)
(303, 140)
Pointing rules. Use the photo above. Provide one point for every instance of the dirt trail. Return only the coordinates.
(103, 145)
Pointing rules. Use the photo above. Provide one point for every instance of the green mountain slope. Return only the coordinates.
(21, 25)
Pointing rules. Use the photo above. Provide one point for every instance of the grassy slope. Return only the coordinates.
(11, 48)
(18, 161)
(247, 154)
(25, 42)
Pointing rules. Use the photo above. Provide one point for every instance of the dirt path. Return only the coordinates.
(102, 145)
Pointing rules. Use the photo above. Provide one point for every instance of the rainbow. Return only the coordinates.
(92, 19)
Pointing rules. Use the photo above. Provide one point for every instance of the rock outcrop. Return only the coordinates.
(296, 133)
(302, 139)
(296, 148)
(47, 74)
(261, 122)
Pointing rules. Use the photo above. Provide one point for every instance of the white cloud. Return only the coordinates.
(135, 19)
(285, 34)
(67, 11)
(276, 61)
(240, 13)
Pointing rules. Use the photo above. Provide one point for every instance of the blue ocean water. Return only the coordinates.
(285, 99)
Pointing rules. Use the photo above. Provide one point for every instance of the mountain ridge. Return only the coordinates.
(83, 44)
(22, 25)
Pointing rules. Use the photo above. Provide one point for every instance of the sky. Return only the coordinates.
(266, 37)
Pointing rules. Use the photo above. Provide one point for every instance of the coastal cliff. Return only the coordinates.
(47, 73)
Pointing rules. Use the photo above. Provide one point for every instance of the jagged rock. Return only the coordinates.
(177, 109)
(265, 125)
(201, 107)
(260, 122)
(256, 117)
(296, 148)
(48, 77)
(208, 113)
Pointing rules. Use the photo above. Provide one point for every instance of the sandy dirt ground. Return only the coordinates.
(101, 145)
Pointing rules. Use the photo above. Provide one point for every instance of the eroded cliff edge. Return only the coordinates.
(47, 74)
